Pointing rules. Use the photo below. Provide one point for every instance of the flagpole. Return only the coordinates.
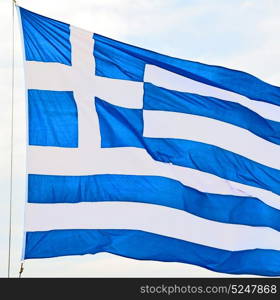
(12, 138)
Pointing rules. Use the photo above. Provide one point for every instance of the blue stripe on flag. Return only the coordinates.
(45, 39)
(153, 190)
(148, 246)
(53, 118)
(156, 98)
(117, 132)
(118, 60)
(220, 162)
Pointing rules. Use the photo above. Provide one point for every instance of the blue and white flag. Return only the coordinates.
(147, 156)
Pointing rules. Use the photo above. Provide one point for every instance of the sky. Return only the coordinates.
(239, 34)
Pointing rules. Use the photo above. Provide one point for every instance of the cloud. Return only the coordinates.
(108, 265)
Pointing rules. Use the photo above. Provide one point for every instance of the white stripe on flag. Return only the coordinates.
(173, 81)
(151, 218)
(134, 161)
(165, 124)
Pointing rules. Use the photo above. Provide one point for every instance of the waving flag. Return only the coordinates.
(148, 156)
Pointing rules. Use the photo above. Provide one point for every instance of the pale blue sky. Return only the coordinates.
(240, 34)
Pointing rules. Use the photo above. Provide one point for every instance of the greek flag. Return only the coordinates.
(147, 156)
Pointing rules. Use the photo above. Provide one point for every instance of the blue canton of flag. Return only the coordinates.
(147, 156)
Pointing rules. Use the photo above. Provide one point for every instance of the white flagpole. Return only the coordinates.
(12, 138)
